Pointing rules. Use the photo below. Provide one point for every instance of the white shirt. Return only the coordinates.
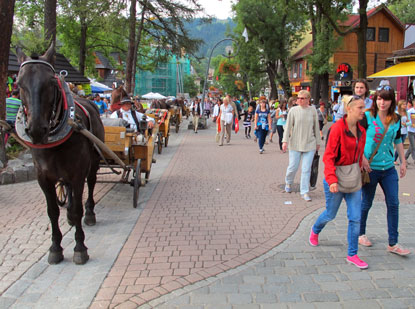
(226, 110)
(411, 118)
(216, 110)
(126, 115)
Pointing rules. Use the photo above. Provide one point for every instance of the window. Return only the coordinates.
(300, 70)
(295, 70)
(383, 35)
(292, 70)
(370, 34)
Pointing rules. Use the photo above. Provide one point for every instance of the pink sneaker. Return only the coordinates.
(397, 249)
(364, 241)
(357, 262)
(313, 240)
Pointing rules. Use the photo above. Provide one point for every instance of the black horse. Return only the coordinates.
(67, 157)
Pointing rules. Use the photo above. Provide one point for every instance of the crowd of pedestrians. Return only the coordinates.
(366, 135)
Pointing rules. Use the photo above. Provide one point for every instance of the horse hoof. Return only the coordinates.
(55, 257)
(90, 220)
(80, 257)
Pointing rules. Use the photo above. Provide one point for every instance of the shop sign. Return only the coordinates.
(344, 72)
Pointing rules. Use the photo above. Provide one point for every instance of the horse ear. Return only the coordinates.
(49, 56)
(21, 57)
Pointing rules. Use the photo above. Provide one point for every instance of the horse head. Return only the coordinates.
(39, 91)
(116, 96)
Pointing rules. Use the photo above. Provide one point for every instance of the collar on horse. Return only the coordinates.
(63, 110)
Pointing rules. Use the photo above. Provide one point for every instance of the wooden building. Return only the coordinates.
(384, 36)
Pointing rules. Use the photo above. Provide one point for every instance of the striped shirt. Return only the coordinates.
(12, 106)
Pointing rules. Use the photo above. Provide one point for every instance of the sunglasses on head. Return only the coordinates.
(384, 87)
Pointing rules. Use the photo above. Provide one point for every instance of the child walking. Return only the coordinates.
(248, 121)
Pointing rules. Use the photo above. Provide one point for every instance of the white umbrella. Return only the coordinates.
(153, 96)
(148, 96)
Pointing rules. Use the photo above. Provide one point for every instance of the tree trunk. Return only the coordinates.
(361, 39)
(82, 45)
(137, 44)
(50, 22)
(324, 88)
(131, 46)
(6, 24)
(315, 88)
(271, 69)
(285, 81)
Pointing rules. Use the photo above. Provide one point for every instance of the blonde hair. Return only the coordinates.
(349, 100)
(306, 93)
(401, 111)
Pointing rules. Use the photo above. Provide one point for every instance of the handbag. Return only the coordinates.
(349, 178)
(365, 174)
(314, 170)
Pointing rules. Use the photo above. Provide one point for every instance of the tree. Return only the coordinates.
(324, 46)
(80, 19)
(189, 86)
(361, 30)
(6, 24)
(162, 21)
(50, 20)
(404, 10)
(273, 26)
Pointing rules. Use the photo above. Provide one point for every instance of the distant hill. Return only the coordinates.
(210, 33)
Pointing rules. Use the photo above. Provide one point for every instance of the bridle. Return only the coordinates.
(63, 109)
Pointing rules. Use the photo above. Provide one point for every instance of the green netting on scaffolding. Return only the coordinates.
(164, 79)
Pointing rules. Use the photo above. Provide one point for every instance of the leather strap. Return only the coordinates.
(377, 147)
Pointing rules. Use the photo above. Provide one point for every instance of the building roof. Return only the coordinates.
(61, 63)
(102, 62)
(353, 20)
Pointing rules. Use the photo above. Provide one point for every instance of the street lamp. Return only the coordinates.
(229, 51)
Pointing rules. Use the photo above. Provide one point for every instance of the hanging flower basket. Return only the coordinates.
(227, 67)
(239, 84)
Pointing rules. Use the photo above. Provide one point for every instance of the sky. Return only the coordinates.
(221, 9)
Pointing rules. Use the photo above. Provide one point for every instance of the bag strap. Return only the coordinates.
(377, 147)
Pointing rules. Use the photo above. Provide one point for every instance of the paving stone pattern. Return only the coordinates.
(25, 228)
(40, 285)
(297, 275)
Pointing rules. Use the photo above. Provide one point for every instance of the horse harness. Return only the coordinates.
(63, 110)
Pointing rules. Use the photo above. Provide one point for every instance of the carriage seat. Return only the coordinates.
(116, 122)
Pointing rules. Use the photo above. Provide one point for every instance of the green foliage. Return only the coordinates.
(189, 85)
(274, 27)
(28, 27)
(14, 148)
(404, 10)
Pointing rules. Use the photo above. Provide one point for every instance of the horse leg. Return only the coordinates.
(69, 218)
(55, 250)
(80, 251)
(90, 218)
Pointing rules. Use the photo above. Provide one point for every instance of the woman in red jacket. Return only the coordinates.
(345, 144)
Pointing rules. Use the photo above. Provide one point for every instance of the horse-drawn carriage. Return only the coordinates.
(176, 117)
(130, 151)
(162, 118)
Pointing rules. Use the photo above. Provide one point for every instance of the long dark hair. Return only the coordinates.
(362, 81)
(386, 93)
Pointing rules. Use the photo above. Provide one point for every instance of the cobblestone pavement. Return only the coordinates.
(25, 228)
(27, 280)
(297, 275)
(216, 208)
(206, 214)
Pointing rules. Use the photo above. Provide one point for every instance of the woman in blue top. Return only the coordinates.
(262, 124)
(380, 118)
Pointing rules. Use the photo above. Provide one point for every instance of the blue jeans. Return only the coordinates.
(294, 162)
(333, 201)
(389, 182)
(262, 135)
(403, 137)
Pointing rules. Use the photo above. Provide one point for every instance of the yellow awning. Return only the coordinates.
(400, 69)
(293, 84)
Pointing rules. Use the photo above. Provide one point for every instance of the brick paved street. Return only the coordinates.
(207, 212)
